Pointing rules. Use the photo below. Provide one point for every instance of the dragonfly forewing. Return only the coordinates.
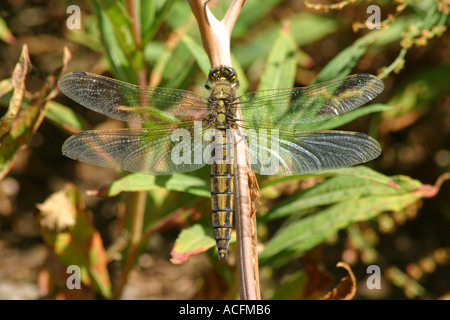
(127, 102)
(296, 106)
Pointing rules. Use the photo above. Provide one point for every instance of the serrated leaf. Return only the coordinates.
(192, 240)
(142, 182)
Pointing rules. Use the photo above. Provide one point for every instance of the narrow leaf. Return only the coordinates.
(308, 232)
(348, 117)
(198, 53)
(65, 118)
(281, 63)
(116, 38)
(6, 34)
(142, 182)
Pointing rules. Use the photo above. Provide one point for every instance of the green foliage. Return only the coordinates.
(192, 240)
(142, 182)
(158, 43)
(354, 194)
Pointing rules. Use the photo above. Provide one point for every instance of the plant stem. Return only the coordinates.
(216, 42)
(139, 198)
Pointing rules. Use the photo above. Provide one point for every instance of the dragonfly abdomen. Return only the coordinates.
(222, 193)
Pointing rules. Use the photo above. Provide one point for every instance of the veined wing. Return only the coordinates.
(296, 106)
(123, 101)
(160, 150)
(291, 152)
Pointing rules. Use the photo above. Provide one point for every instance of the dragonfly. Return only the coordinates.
(182, 131)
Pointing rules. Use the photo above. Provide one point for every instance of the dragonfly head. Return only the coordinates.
(222, 73)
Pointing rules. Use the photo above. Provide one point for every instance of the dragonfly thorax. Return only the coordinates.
(221, 113)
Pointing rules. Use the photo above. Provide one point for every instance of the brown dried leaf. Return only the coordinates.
(57, 212)
(346, 288)
(18, 81)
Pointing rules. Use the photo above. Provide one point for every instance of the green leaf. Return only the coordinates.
(116, 37)
(356, 171)
(175, 67)
(304, 234)
(345, 118)
(252, 12)
(281, 63)
(149, 24)
(305, 28)
(6, 34)
(198, 53)
(147, 12)
(292, 287)
(142, 182)
(350, 183)
(191, 241)
(64, 117)
(5, 86)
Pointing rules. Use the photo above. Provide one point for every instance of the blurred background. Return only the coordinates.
(412, 56)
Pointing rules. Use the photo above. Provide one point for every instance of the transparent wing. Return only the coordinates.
(161, 150)
(296, 106)
(284, 152)
(126, 102)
